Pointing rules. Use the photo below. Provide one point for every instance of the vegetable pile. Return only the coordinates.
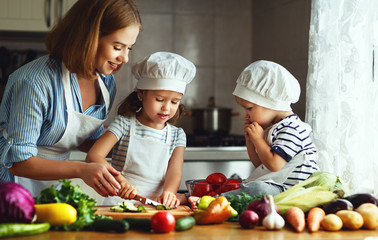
(74, 196)
(214, 184)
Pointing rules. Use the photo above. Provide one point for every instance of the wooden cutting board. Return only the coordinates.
(179, 212)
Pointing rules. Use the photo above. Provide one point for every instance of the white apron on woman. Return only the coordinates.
(146, 164)
(79, 127)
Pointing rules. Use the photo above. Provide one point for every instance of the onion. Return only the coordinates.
(261, 207)
(17, 203)
(248, 219)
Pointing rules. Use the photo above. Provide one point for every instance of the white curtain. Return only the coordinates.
(342, 90)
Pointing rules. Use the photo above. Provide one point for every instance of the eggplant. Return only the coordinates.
(359, 198)
(337, 205)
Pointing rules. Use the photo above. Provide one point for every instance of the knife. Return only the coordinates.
(147, 201)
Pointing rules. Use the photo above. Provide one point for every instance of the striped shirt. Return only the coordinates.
(290, 138)
(33, 110)
(121, 128)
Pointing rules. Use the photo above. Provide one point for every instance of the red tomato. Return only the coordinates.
(201, 188)
(216, 178)
(230, 184)
(163, 222)
(212, 194)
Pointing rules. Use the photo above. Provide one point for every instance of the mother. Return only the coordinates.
(59, 102)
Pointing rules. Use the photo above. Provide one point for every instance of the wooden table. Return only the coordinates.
(227, 230)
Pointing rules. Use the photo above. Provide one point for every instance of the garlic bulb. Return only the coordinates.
(273, 220)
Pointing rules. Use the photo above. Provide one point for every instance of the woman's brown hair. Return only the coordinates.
(131, 105)
(74, 40)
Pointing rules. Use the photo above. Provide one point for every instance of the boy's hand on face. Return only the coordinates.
(255, 132)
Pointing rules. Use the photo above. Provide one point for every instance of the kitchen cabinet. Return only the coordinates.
(32, 15)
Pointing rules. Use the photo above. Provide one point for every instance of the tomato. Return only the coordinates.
(163, 222)
(201, 188)
(212, 193)
(230, 184)
(216, 178)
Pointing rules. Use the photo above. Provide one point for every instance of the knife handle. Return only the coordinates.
(139, 198)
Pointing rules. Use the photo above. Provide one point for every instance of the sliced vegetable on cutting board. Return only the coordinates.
(55, 213)
(127, 207)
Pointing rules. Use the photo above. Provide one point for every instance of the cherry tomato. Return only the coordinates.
(230, 184)
(201, 188)
(163, 222)
(216, 178)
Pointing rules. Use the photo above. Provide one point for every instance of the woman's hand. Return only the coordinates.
(101, 177)
(169, 199)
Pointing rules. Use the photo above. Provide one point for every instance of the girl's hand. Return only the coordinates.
(101, 177)
(127, 191)
(255, 132)
(169, 199)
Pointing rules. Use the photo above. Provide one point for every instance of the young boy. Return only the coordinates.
(278, 142)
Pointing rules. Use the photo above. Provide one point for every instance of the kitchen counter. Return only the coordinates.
(228, 230)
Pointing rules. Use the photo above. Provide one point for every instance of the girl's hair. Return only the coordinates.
(132, 104)
(74, 40)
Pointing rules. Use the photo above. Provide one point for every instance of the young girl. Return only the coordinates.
(147, 148)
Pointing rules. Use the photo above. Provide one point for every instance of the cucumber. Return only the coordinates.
(139, 223)
(185, 223)
(162, 207)
(110, 225)
(20, 229)
(127, 207)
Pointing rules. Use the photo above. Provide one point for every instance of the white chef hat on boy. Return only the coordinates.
(164, 71)
(269, 85)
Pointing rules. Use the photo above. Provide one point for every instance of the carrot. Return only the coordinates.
(314, 217)
(296, 218)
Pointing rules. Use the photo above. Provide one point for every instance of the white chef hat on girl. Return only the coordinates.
(269, 85)
(164, 71)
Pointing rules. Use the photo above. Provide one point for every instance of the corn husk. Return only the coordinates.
(320, 188)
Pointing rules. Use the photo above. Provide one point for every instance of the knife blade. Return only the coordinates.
(147, 201)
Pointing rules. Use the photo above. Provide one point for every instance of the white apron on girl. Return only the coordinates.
(146, 164)
(261, 173)
(79, 127)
